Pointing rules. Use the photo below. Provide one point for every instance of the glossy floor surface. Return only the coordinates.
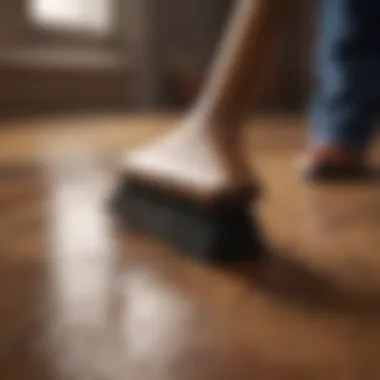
(81, 299)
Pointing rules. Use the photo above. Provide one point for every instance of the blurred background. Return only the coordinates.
(74, 56)
(81, 81)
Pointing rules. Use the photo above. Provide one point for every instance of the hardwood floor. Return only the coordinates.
(81, 299)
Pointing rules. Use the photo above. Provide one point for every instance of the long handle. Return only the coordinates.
(240, 63)
(224, 104)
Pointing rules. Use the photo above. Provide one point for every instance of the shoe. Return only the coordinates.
(333, 162)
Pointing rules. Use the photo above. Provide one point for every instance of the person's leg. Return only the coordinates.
(347, 63)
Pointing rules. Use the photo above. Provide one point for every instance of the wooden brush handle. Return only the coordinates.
(224, 103)
(244, 54)
(204, 158)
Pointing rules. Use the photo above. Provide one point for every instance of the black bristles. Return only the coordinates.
(215, 234)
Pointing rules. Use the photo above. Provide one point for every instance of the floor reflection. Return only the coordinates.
(97, 303)
(106, 318)
(82, 272)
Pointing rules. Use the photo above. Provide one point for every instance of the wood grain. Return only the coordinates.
(79, 299)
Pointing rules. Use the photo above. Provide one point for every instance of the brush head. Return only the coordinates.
(218, 233)
(187, 191)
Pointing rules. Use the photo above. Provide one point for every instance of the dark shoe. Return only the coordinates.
(331, 163)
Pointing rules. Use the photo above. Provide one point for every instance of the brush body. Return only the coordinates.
(214, 234)
(194, 187)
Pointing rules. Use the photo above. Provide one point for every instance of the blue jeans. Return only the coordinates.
(348, 72)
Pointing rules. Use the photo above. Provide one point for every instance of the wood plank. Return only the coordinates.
(81, 299)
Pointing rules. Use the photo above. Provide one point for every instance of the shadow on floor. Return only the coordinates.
(284, 276)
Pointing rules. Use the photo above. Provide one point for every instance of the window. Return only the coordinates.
(88, 16)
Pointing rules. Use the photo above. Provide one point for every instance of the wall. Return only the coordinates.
(168, 44)
(190, 30)
(42, 73)
(12, 22)
(298, 58)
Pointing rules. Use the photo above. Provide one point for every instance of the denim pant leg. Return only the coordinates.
(347, 62)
